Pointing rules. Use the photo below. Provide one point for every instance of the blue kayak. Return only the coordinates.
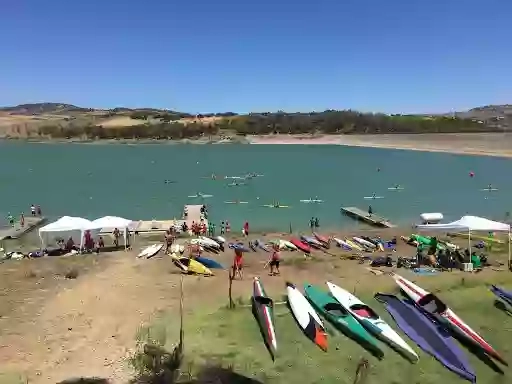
(239, 246)
(261, 245)
(209, 262)
(506, 296)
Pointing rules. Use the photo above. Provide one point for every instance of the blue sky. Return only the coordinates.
(210, 56)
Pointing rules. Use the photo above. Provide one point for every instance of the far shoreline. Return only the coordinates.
(471, 144)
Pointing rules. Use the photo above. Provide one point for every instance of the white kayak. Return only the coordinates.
(210, 242)
(371, 321)
(311, 201)
(236, 202)
(235, 177)
(364, 242)
(203, 243)
(354, 245)
(220, 239)
(150, 251)
(306, 316)
(489, 189)
(235, 184)
(286, 244)
(373, 197)
(342, 243)
(395, 189)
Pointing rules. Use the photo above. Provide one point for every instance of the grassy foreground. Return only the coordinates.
(231, 337)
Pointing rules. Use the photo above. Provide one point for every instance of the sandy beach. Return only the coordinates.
(489, 144)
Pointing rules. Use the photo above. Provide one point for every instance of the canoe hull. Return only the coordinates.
(263, 311)
(447, 317)
(376, 326)
(306, 317)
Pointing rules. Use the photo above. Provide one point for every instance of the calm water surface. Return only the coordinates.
(129, 181)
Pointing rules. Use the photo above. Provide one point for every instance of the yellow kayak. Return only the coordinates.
(354, 245)
(191, 265)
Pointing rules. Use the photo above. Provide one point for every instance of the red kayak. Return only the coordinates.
(302, 246)
(321, 239)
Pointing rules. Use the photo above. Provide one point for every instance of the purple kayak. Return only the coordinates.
(428, 336)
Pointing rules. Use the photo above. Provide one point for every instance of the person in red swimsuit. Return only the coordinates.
(275, 258)
(238, 264)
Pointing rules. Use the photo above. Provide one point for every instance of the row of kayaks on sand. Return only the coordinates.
(421, 315)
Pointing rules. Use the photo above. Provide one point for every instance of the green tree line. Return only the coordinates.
(327, 122)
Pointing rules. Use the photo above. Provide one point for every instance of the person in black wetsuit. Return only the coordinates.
(370, 211)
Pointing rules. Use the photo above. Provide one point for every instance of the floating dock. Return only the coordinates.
(17, 231)
(374, 220)
(160, 226)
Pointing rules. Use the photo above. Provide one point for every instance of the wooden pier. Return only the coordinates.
(374, 220)
(17, 231)
(160, 226)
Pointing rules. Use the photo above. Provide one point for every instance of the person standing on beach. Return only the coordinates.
(238, 264)
(246, 229)
(222, 228)
(116, 234)
(275, 258)
(312, 224)
(370, 211)
(39, 212)
(228, 227)
(22, 220)
(33, 209)
(317, 223)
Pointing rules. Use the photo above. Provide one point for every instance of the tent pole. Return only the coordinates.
(469, 243)
(509, 266)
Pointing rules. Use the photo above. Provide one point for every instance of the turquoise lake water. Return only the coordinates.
(129, 181)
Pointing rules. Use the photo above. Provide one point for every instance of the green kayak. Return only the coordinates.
(334, 312)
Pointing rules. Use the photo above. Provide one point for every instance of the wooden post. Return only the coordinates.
(231, 276)
(182, 332)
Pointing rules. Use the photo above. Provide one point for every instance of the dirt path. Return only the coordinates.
(88, 327)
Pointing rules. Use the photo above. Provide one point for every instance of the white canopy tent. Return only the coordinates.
(109, 223)
(66, 226)
(472, 224)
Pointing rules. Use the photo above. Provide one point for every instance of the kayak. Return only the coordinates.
(306, 316)
(321, 238)
(209, 263)
(219, 239)
(263, 309)
(261, 246)
(275, 206)
(427, 335)
(506, 296)
(239, 246)
(200, 195)
(311, 201)
(150, 251)
(287, 244)
(395, 189)
(342, 243)
(311, 241)
(236, 202)
(437, 309)
(373, 197)
(364, 242)
(210, 242)
(334, 312)
(372, 321)
(235, 184)
(191, 265)
(355, 246)
(489, 189)
(301, 245)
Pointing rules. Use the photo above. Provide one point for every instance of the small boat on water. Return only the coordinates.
(439, 311)
(311, 201)
(263, 309)
(306, 316)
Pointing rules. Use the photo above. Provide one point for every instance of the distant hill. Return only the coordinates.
(48, 120)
